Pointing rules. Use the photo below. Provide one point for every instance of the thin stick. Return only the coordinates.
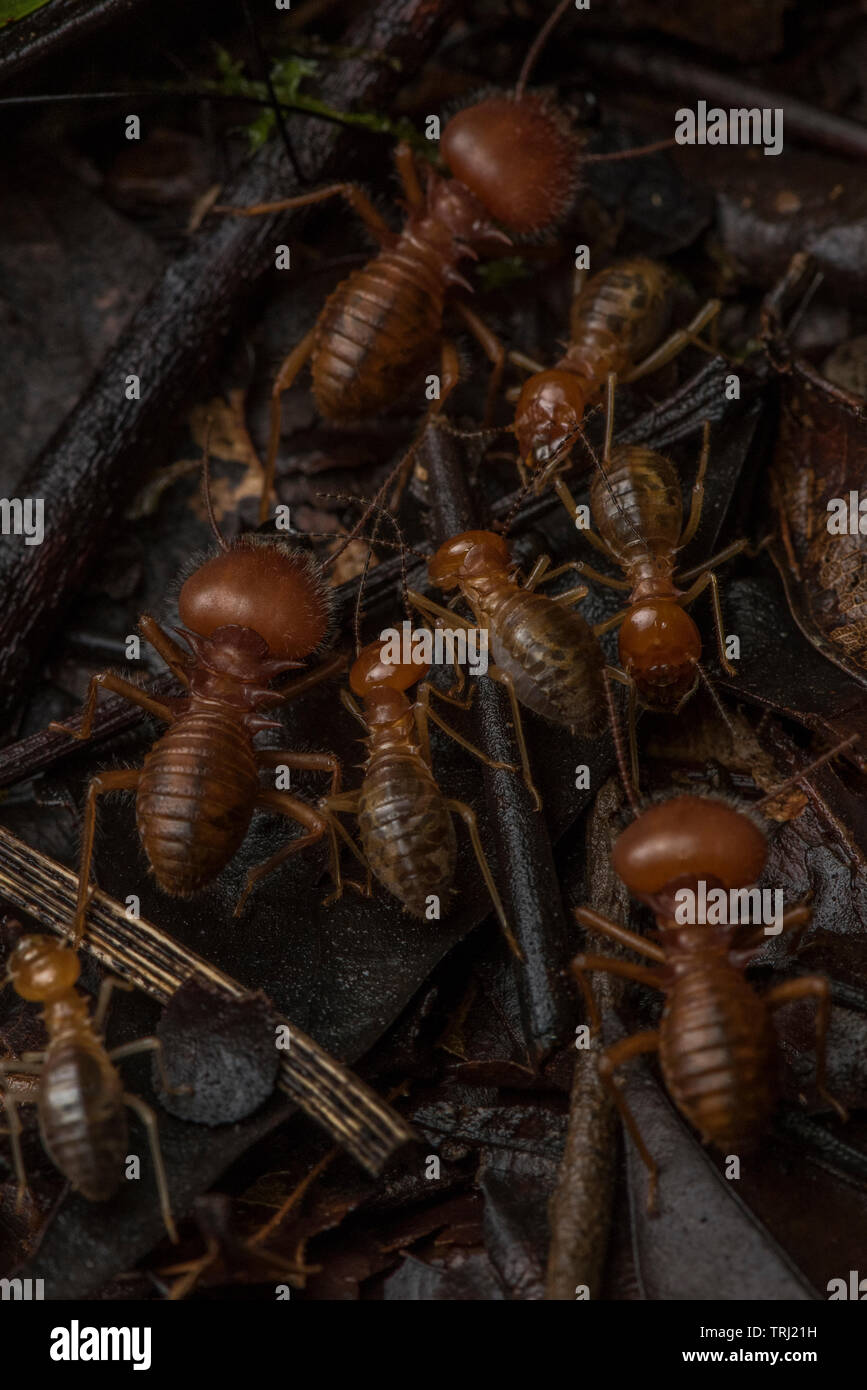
(619, 750)
(265, 71)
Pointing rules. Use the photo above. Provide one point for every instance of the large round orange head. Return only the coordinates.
(685, 839)
(277, 592)
(471, 553)
(42, 969)
(373, 670)
(660, 647)
(518, 156)
(549, 411)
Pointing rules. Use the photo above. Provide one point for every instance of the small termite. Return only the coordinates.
(716, 1042)
(545, 654)
(636, 503)
(249, 613)
(619, 324)
(404, 819)
(514, 163)
(79, 1093)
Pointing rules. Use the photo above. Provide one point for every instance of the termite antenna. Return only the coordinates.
(807, 771)
(537, 45)
(506, 524)
(711, 690)
(206, 488)
(376, 501)
(634, 153)
(619, 750)
(264, 69)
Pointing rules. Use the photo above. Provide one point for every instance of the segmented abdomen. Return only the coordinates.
(718, 1056)
(648, 513)
(198, 787)
(407, 831)
(376, 332)
(82, 1118)
(618, 318)
(552, 656)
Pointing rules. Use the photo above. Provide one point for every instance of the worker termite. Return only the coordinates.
(545, 654)
(619, 324)
(79, 1093)
(404, 819)
(249, 613)
(514, 164)
(635, 500)
(716, 1043)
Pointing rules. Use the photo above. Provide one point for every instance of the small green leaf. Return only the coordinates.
(17, 9)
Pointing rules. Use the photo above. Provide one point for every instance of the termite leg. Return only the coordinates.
(436, 610)
(347, 801)
(10, 1105)
(132, 1049)
(715, 560)
(606, 579)
(678, 341)
(562, 490)
(303, 762)
(124, 780)
(597, 922)
(612, 1058)
(347, 701)
(547, 575)
(794, 919)
(503, 678)
(288, 805)
(817, 987)
(177, 660)
(106, 680)
(468, 816)
(697, 491)
(423, 713)
(644, 974)
(149, 1120)
(299, 685)
(520, 359)
(106, 989)
(357, 200)
(599, 629)
(285, 377)
(404, 163)
(709, 580)
(494, 350)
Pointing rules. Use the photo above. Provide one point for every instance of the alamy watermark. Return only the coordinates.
(740, 125)
(23, 516)
(730, 907)
(445, 647)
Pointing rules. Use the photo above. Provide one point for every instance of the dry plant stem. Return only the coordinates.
(48, 32)
(93, 463)
(151, 960)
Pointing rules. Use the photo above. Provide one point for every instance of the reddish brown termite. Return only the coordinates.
(716, 1043)
(404, 819)
(544, 653)
(619, 323)
(514, 162)
(636, 503)
(79, 1094)
(249, 613)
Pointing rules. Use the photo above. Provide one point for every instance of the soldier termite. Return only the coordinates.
(79, 1093)
(249, 613)
(514, 163)
(619, 323)
(635, 500)
(404, 819)
(716, 1043)
(545, 654)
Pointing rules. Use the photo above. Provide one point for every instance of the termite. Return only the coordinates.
(249, 613)
(619, 323)
(514, 164)
(716, 1043)
(79, 1093)
(636, 503)
(404, 819)
(546, 656)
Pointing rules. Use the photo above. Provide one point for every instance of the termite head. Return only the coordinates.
(678, 842)
(473, 554)
(518, 156)
(276, 591)
(660, 647)
(549, 412)
(41, 969)
(382, 684)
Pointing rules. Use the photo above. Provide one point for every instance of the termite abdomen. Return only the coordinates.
(553, 658)
(82, 1119)
(407, 832)
(637, 504)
